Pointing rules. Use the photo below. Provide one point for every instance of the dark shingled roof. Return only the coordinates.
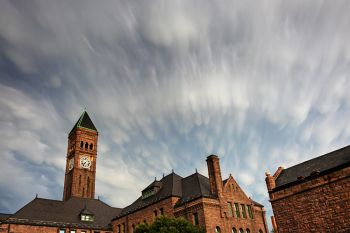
(171, 186)
(47, 212)
(194, 186)
(321, 164)
(3, 217)
(84, 121)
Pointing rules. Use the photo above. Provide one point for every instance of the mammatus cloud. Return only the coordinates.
(261, 84)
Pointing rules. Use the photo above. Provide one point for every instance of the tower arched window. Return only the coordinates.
(91, 146)
(247, 230)
(241, 230)
(86, 145)
(260, 231)
(217, 229)
(234, 230)
(81, 144)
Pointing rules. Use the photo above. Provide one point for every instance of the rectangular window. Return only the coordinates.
(73, 231)
(244, 214)
(83, 232)
(62, 231)
(238, 215)
(119, 228)
(195, 219)
(155, 213)
(230, 211)
(124, 228)
(161, 211)
(250, 212)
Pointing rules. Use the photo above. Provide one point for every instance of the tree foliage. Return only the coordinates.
(168, 225)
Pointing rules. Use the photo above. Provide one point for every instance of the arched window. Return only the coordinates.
(86, 145)
(217, 229)
(81, 144)
(260, 231)
(241, 230)
(234, 230)
(91, 146)
(247, 230)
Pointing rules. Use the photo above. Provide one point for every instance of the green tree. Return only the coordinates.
(168, 225)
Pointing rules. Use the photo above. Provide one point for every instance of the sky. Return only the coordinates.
(261, 84)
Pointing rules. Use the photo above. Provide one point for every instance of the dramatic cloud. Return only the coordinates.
(260, 83)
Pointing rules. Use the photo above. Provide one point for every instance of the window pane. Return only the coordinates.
(237, 210)
(244, 214)
(62, 230)
(250, 212)
(230, 211)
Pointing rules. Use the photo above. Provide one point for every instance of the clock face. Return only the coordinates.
(71, 164)
(85, 162)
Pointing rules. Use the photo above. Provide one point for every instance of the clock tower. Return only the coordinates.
(80, 173)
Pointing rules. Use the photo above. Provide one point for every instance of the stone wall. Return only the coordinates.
(321, 204)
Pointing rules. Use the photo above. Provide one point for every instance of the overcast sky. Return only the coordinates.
(259, 83)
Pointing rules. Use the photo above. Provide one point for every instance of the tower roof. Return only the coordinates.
(85, 122)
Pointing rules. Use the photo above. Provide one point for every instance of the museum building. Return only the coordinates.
(216, 205)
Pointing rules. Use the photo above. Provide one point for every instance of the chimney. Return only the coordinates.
(270, 181)
(214, 173)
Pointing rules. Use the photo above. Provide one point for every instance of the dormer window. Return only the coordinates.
(148, 193)
(86, 218)
(152, 189)
(86, 215)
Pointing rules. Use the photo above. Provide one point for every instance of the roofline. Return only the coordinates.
(337, 150)
(308, 178)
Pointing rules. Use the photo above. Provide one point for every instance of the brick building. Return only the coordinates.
(313, 196)
(214, 204)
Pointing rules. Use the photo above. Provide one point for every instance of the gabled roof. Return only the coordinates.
(84, 121)
(318, 165)
(45, 212)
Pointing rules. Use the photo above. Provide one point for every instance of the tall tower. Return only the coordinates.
(80, 173)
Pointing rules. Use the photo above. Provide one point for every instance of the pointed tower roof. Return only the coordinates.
(85, 122)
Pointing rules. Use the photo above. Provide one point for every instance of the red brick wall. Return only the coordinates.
(319, 205)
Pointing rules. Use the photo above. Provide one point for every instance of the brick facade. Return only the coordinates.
(80, 182)
(318, 204)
